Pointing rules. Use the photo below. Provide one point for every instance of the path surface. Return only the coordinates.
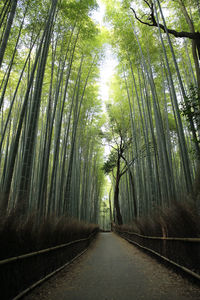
(113, 269)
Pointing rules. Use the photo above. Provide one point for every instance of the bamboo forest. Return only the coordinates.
(78, 155)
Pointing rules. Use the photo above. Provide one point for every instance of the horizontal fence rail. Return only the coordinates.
(19, 273)
(162, 237)
(183, 253)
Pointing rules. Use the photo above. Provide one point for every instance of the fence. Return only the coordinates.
(184, 253)
(17, 274)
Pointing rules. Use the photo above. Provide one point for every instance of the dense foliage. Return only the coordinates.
(155, 91)
(52, 126)
(50, 148)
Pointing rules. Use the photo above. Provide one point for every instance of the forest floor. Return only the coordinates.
(113, 269)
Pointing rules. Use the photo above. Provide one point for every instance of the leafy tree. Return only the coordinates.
(50, 109)
(154, 82)
(150, 19)
(119, 140)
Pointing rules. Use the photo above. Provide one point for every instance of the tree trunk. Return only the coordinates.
(110, 207)
(133, 192)
(116, 194)
(195, 43)
(25, 179)
(7, 32)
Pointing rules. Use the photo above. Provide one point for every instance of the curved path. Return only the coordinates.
(113, 269)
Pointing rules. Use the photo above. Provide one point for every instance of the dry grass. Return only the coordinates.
(180, 220)
(23, 235)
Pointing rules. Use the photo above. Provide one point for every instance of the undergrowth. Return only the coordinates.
(180, 220)
(23, 235)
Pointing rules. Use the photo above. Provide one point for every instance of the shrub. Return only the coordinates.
(19, 235)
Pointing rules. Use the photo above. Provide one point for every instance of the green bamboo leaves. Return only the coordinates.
(153, 77)
(49, 110)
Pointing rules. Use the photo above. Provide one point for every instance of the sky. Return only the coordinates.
(109, 62)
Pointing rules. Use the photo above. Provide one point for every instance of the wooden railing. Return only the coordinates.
(21, 273)
(183, 253)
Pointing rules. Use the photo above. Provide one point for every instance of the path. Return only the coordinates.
(113, 269)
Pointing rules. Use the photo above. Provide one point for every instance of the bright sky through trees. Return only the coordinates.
(109, 62)
(106, 71)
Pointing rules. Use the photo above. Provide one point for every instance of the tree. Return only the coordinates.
(153, 80)
(119, 140)
(4, 42)
(194, 35)
(49, 110)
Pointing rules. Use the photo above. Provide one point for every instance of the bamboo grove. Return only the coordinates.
(52, 127)
(154, 106)
(50, 111)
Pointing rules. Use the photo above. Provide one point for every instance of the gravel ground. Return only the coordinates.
(113, 269)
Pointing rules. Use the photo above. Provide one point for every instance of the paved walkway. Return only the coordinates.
(113, 269)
